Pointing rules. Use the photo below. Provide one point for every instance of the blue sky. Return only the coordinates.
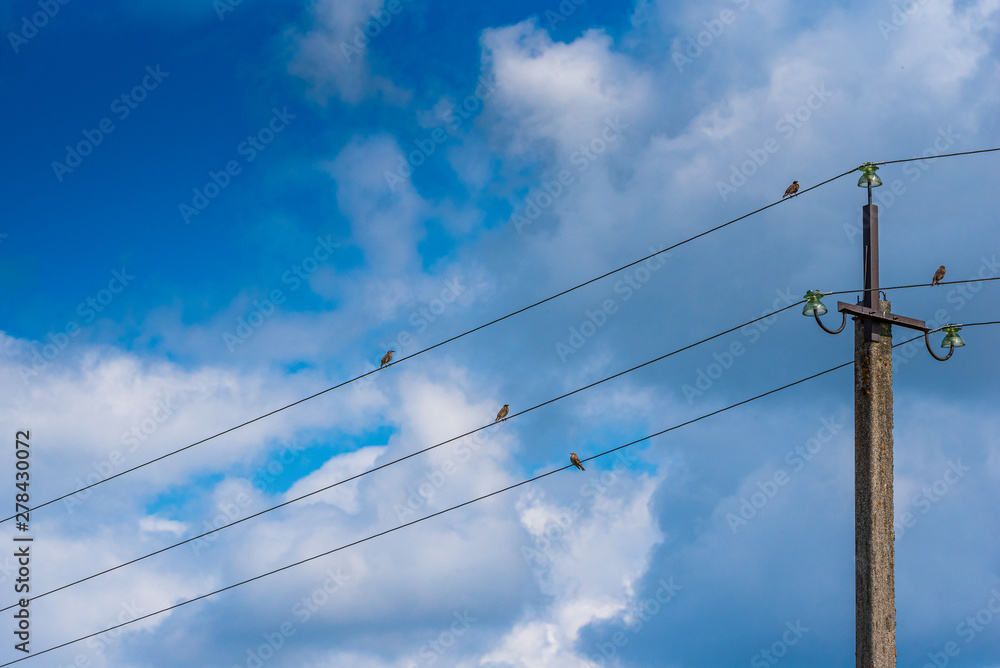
(215, 209)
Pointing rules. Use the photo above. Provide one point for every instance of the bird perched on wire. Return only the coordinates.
(576, 461)
(791, 190)
(502, 414)
(386, 358)
(938, 275)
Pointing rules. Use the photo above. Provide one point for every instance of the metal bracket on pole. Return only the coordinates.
(869, 223)
(873, 315)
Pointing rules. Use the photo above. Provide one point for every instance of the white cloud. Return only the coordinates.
(563, 93)
(334, 470)
(160, 524)
(332, 56)
(594, 569)
(587, 559)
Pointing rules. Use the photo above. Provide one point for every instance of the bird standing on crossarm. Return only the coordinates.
(791, 190)
(938, 275)
(502, 414)
(386, 358)
(576, 461)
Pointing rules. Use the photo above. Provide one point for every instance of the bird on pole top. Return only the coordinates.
(938, 275)
(502, 414)
(791, 190)
(576, 461)
(386, 358)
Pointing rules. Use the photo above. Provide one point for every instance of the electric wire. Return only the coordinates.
(492, 322)
(396, 461)
(914, 285)
(483, 326)
(427, 517)
(456, 507)
(405, 457)
(475, 329)
(932, 157)
(428, 349)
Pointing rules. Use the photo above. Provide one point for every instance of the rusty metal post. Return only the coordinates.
(869, 226)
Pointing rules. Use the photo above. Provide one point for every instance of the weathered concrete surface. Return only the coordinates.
(874, 549)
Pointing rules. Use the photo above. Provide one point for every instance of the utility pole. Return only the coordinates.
(874, 537)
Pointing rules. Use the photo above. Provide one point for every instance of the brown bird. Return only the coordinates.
(791, 190)
(386, 358)
(576, 461)
(938, 275)
(502, 414)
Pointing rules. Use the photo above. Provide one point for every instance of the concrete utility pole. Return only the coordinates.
(874, 537)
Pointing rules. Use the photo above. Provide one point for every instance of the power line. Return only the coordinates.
(605, 275)
(915, 285)
(427, 517)
(456, 507)
(466, 333)
(420, 352)
(396, 461)
(932, 157)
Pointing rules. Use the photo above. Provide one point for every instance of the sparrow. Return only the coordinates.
(502, 414)
(386, 358)
(938, 275)
(791, 190)
(576, 461)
